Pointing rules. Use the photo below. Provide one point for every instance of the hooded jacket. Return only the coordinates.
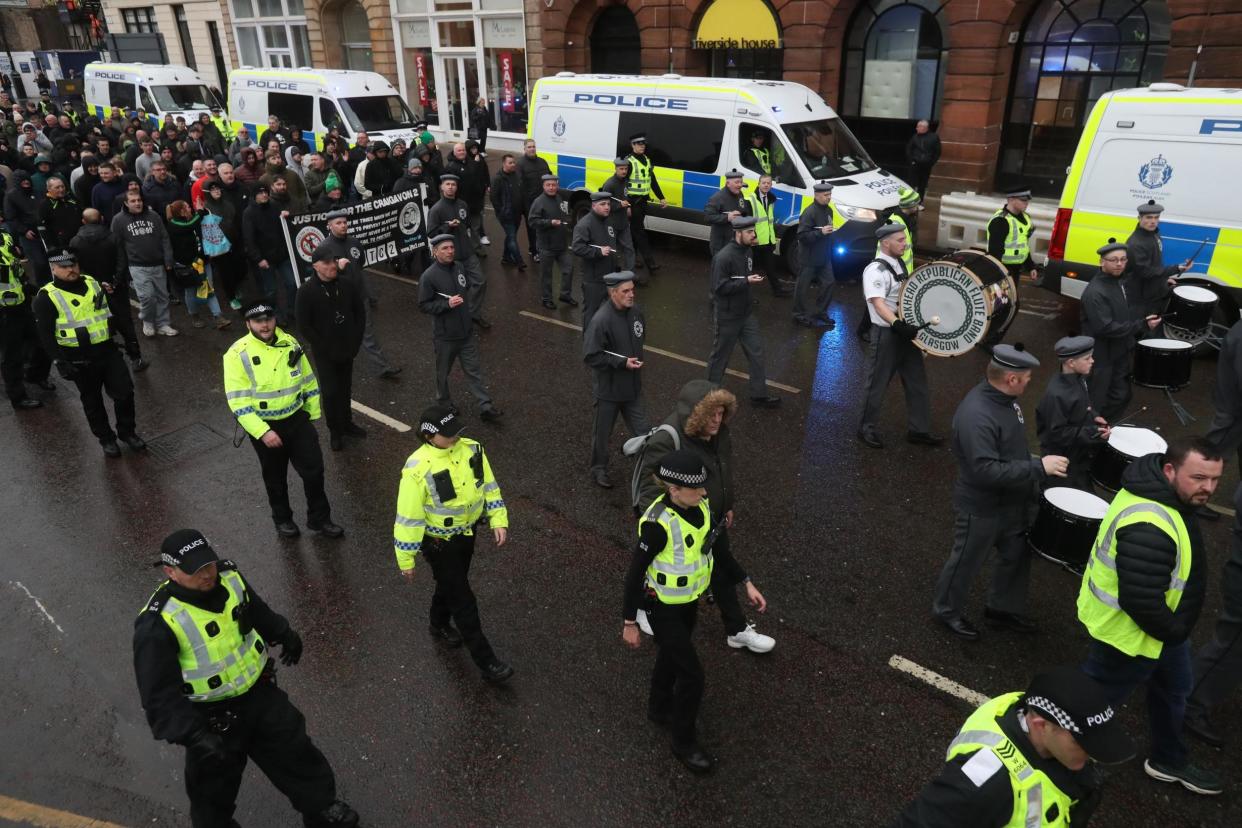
(21, 211)
(297, 190)
(1145, 559)
(695, 404)
(264, 237)
(247, 173)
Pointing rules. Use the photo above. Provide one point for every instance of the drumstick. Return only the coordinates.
(1191, 261)
(1128, 417)
(445, 295)
(614, 353)
(935, 320)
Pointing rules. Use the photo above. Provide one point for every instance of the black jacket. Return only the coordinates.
(506, 197)
(1147, 276)
(814, 243)
(994, 466)
(622, 332)
(452, 324)
(331, 317)
(96, 252)
(440, 215)
(263, 234)
(716, 214)
(531, 172)
(21, 207)
(1227, 393)
(543, 211)
(1107, 316)
(594, 230)
(1145, 558)
(923, 150)
(730, 287)
(1065, 423)
(61, 219)
(693, 403)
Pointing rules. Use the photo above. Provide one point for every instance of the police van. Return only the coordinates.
(315, 100)
(156, 92)
(1177, 146)
(699, 128)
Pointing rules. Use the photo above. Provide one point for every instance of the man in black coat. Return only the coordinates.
(549, 215)
(268, 255)
(733, 272)
(613, 348)
(451, 215)
(332, 317)
(506, 197)
(531, 170)
(619, 218)
(726, 204)
(1064, 419)
(922, 153)
(60, 216)
(595, 242)
(1148, 280)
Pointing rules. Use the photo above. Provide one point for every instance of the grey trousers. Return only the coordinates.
(606, 411)
(1218, 666)
(476, 284)
(974, 536)
(827, 286)
(565, 261)
(728, 333)
(465, 351)
(151, 285)
(1109, 386)
(889, 354)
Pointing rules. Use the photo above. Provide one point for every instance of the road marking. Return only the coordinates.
(670, 354)
(393, 276)
(38, 604)
(1040, 315)
(27, 813)
(936, 680)
(379, 417)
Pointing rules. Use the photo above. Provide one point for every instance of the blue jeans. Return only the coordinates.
(193, 304)
(1169, 681)
(512, 252)
(281, 274)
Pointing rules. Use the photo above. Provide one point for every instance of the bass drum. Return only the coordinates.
(972, 294)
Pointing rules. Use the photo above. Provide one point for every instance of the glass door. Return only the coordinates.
(460, 76)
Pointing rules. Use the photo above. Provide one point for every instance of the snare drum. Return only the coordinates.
(1125, 445)
(970, 291)
(1163, 363)
(1067, 525)
(1191, 308)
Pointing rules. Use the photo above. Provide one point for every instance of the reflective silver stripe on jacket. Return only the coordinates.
(410, 523)
(1104, 549)
(1034, 806)
(178, 614)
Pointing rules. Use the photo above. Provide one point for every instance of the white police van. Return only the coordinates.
(314, 100)
(699, 128)
(156, 92)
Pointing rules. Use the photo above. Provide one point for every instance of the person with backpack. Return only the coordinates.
(700, 425)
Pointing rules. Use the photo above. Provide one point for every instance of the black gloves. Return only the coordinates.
(904, 329)
(207, 746)
(67, 369)
(290, 648)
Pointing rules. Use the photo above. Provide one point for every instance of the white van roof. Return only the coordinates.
(150, 72)
(784, 100)
(342, 81)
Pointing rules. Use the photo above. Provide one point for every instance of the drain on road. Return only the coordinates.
(184, 443)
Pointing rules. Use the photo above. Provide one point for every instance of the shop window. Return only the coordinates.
(895, 60)
(616, 47)
(183, 36)
(681, 143)
(764, 154)
(292, 110)
(121, 95)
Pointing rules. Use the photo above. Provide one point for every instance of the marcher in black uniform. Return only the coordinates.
(549, 215)
(675, 557)
(1064, 419)
(331, 317)
(22, 358)
(1108, 318)
(595, 242)
(76, 329)
(734, 322)
(1148, 280)
(996, 480)
(441, 293)
(815, 227)
(613, 348)
(207, 680)
(452, 216)
(642, 184)
(619, 218)
(1026, 754)
(726, 204)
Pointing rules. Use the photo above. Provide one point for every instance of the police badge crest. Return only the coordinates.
(1155, 173)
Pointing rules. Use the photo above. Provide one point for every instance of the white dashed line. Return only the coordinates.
(38, 604)
(379, 417)
(936, 680)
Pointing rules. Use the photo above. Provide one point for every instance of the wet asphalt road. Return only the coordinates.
(844, 541)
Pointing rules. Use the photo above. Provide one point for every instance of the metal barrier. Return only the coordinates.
(964, 221)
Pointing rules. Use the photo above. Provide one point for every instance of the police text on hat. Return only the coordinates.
(187, 550)
(440, 419)
(1075, 702)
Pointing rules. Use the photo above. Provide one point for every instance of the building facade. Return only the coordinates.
(197, 33)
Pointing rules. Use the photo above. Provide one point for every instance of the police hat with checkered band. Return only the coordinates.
(682, 468)
(1074, 701)
(187, 550)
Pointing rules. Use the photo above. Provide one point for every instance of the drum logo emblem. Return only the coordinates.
(953, 294)
(1155, 173)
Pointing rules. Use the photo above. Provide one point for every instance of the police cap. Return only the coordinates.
(1023, 194)
(682, 468)
(1014, 357)
(440, 419)
(638, 138)
(258, 309)
(64, 258)
(187, 550)
(1074, 701)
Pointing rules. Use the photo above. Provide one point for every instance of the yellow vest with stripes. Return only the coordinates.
(1017, 239)
(639, 182)
(682, 570)
(12, 290)
(80, 320)
(260, 385)
(765, 230)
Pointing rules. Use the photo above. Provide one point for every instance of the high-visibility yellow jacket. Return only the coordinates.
(261, 386)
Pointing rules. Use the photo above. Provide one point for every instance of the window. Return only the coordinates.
(895, 60)
(185, 97)
(763, 153)
(828, 148)
(456, 33)
(682, 143)
(329, 117)
(139, 20)
(121, 95)
(616, 46)
(378, 112)
(292, 110)
(761, 64)
(280, 41)
(248, 45)
(183, 35)
(148, 103)
(356, 37)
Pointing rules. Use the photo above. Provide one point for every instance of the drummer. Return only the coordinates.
(1107, 317)
(1149, 280)
(1064, 419)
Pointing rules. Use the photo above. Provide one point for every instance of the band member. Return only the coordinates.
(1149, 280)
(1064, 419)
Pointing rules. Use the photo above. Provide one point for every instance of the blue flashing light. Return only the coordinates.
(840, 250)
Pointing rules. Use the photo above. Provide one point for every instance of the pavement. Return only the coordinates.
(844, 541)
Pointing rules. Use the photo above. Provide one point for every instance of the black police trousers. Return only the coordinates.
(454, 599)
(336, 389)
(106, 372)
(21, 356)
(638, 229)
(262, 725)
(677, 679)
(301, 449)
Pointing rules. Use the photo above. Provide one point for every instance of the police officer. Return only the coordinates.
(905, 215)
(1149, 280)
(1107, 317)
(1025, 759)
(726, 204)
(612, 347)
(549, 215)
(891, 349)
(815, 228)
(642, 184)
(207, 680)
(1009, 234)
(442, 293)
(349, 256)
(671, 568)
(75, 326)
(446, 488)
(595, 243)
(274, 395)
(1064, 419)
(734, 322)
(995, 480)
(451, 215)
(619, 218)
(757, 156)
(761, 203)
(19, 342)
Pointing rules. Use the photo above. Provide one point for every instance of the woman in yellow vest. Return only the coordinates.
(672, 567)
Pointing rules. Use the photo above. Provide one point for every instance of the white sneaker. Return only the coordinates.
(643, 623)
(168, 330)
(148, 330)
(484, 240)
(751, 640)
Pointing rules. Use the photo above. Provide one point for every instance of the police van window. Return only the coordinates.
(184, 96)
(828, 148)
(121, 95)
(292, 110)
(328, 115)
(763, 153)
(148, 103)
(677, 142)
(377, 112)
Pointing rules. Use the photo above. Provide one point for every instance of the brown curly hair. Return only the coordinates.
(696, 423)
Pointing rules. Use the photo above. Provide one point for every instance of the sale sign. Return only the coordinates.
(506, 81)
(420, 67)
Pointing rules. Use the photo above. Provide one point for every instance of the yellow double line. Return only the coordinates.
(27, 813)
